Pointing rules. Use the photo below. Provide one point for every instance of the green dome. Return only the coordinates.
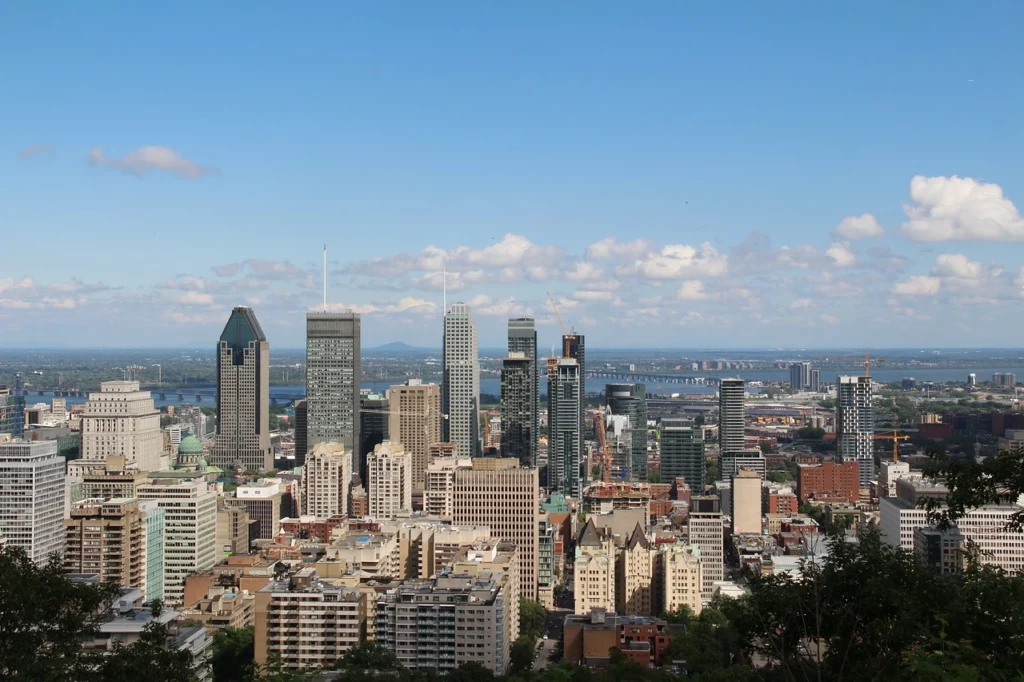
(190, 445)
(202, 463)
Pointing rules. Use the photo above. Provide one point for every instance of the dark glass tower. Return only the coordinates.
(517, 414)
(630, 400)
(300, 433)
(373, 428)
(682, 453)
(522, 338)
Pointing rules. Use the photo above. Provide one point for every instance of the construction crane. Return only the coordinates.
(571, 334)
(895, 437)
(602, 444)
(866, 361)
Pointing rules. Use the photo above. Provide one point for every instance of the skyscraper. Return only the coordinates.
(630, 400)
(120, 420)
(373, 427)
(682, 453)
(243, 395)
(565, 440)
(517, 404)
(800, 376)
(522, 338)
(389, 481)
(415, 422)
(731, 418)
(855, 425)
(32, 499)
(333, 376)
(300, 433)
(574, 346)
(815, 380)
(326, 480)
(460, 393)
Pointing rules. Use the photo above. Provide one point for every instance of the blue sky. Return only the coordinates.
(675, 174)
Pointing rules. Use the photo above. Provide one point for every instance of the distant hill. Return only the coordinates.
(400, 347)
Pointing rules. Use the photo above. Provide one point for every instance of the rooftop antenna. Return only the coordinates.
(325, 278)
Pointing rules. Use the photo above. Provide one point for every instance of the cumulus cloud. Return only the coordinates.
(148, 159)
(593, 295)
(802, 304)
(262, 269)
(691, 290)
(610, 248)
(960, 209)
(841, 255)
(34, 151)
(918, 285)
(956, 265)
(583, 271)
(195, 298)
(858, 227)
(681, 261)
(485, 305)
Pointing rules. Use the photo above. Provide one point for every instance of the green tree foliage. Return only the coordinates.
(653, 476)
(45, 617)
(810, 433)
(532, 618)
(522, 655)
(995, 480)
(369, 656)
(232, 654)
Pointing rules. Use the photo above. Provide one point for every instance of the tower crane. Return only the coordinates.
(571, 334)
(895, 437)
(602, 444)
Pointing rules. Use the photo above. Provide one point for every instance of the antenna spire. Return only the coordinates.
(325, 278)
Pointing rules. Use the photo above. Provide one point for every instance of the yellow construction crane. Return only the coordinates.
(603, 453)
(895, 437)
(571, 334)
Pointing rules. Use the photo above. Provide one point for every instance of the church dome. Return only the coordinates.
(190, 445)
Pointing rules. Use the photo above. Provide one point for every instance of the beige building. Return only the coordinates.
(262, 501)
(107, 539)
(415, 422)
(707, 531)
(389, 480)
(439, 485)
(222, 608)
(120, 420)
(372, 555)
(307, 622)
(326, 481)
(505, 497)
(746, 502)
(427, 546)
(112, 480)
(679, 575)
(634, 578)
(232, 530)
(594, 569)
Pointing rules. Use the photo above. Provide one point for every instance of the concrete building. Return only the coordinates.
(829, 482)
(460, 392)
(415, 423)
(120, 420)
(888, 474)
(565, 441)
(518, 405)
(855, 426)
(746, 502)
(446, 622)
(439, 487)
(679, 577)
(426, 546)
(815, 386)
(800, 376)
(594, 569)
(630, 401)
(190, 530)
(707, 532)
(232, 530)
(634, 575)
(1012, 441)
(389, 480)
(113, 480)
(107, 539)
(730, 463)
(243, 396)
(574, 346)
(522, 338)
(375, 555)
(262, 502)
(731, 415)
(374, 427)
(306, 622)
(333, 381)
(941, 550)
(326, 481)
(32, 503)
(1004, 379)
(589, 639)
(505, 497)
(682, 453)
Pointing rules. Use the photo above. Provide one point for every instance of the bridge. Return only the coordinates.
(198, 395)
(644, 378)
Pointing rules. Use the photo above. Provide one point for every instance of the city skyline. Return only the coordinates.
(659, 182)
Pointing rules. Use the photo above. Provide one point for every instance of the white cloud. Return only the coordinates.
(692, 290)
(409, 304)
(956, 265)
(591, 295)
(485, 305)
(918, 285)
(609, 248)
(583, 271)
(858, 227)
(679, 261)
(957, 209)
(7, 283)
(195, 298)
(151, 158)
(841, 254)
(802, 304)
(829, 319)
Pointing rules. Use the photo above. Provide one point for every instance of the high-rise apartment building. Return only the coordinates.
(243, 395)
(634, 575)
(262, 500)
(630, 400)
(1004, 379)
(565, 439)
(190, 530)
(389, 480)
(594, 569)
(731, 414)
(120, 420)
(333, 380)
(326, 481)
(374, 427)
(12, 408)
(800, 376)
(32, 489)
(460, 392)
(504, 496)
(574, 346)
(108, 539)
(855, 425)
(415, 423)
(439, 485)
(831, 481)
(746, 502)
(679, 577)
(682, 453)
(707, 531)
(517, 408)
(815, 380)
(522, 338)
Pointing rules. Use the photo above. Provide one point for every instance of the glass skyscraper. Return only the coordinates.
(333, 378)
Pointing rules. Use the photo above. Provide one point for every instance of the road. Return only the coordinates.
(553, 630)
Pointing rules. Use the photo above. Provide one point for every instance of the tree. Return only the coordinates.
(532, 618)
(232, 657)
(653, 476)
(995, 480)
(368, 656)
(522, 655)
(682, 614)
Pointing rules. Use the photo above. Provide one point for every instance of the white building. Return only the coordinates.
(32, 498)
(190, 530)
(707, 531)
(389, 484)
(855, 425)
(746, 502)
(439, 485)
(680, 577)
(326, 480)
(460, 393)
(120, 421)
(889, 473)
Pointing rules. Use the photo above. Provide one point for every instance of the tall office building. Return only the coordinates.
(574, 346)
(565, 441)
(731, 416)
(682, 453)
(518, 402)
(12, 408)
(815, 380)
(746, 502)
(504, 496)
(262, 501)
(326, 481)
(522, 338)
(32, 482)
(460, 393)
(120, 420)
(373, 427)
(415, 422)
(630, 400)
(301, 448)
(333, 376)
(855, 425)
(389, 481)
(800, 376)
(108, 539)
(707, 531)
(190, 530)
(243, 396)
